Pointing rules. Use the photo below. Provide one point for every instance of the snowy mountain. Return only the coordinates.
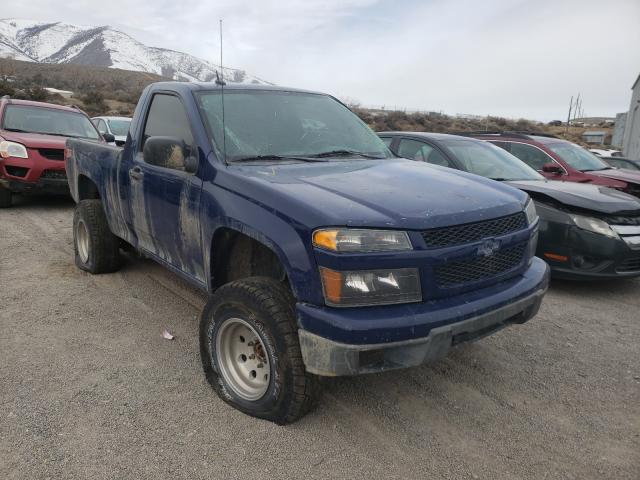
(57, 42)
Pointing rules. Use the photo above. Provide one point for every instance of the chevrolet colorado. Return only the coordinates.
(322, 253)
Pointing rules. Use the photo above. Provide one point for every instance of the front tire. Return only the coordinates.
(251, 353)
(96, 248)
(5, 198)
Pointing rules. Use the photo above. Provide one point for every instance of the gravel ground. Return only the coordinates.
(90, 389)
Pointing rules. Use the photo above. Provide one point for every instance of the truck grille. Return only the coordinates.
(629, 265)
(54, 174)
(472, 232)
(52, 153)
(479, 268)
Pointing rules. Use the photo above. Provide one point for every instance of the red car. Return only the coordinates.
(559, 159)
(32, 142)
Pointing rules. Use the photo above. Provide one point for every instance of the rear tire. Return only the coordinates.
(5, 198)
(96, 248)
(251, 353)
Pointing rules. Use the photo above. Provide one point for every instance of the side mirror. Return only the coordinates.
(109, 138)
(552, 168)
(169, 152)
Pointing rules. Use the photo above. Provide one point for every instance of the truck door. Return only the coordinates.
(165, 198)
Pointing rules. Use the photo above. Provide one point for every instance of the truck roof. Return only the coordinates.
(203, 86)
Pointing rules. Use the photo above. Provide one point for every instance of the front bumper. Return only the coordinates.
(471, 319)
(44, 185)
(37, 174)
(589, 256)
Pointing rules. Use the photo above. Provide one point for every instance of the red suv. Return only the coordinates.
(32, 142)
(559, 159)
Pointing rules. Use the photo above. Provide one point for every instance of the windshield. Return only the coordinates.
(577, 157)
(619, 163)
(119, 127)
(272, 124)
(489, 161)
(23, 118)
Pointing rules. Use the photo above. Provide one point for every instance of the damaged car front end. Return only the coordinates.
(589, 244)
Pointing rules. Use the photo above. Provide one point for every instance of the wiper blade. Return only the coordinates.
(17, 130)
(59, 134)
(500, 179)
(273, 157)
(344, 153)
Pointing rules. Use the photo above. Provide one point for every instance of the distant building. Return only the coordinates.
(631, 143)
(594, 137)
(618, 130)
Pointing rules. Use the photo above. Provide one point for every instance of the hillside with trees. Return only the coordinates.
(108, 91)
(97, 90)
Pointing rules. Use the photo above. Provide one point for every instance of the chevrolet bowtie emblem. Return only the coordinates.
(488, 248)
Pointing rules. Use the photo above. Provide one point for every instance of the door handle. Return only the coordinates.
(136, 173)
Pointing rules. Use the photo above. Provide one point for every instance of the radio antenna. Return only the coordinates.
(220, 81)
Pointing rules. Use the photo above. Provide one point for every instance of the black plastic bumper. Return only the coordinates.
(44, 186)
(589, 256)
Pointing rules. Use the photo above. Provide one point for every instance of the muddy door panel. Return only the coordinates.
(170, 227)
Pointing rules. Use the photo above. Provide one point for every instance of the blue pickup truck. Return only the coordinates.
(321, 252)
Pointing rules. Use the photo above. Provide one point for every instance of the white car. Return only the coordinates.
(116, 126)
(605, 153)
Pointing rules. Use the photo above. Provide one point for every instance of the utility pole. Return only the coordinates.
(569, 115)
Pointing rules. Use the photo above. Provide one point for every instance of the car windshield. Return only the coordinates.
(620, 163)
(119, 127)
(577, 157)
(487, 160)
(30, 119)
(277, 125)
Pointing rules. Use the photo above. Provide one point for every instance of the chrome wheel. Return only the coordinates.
(242, 359)
(82, 241)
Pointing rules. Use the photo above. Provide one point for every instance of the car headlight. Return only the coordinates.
(12, 149)
(594, 225)
(530, 212)
(351, 240)
(370, 287)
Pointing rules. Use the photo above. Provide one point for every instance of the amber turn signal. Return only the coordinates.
(332, 284)
(325, 239)
(556, 257)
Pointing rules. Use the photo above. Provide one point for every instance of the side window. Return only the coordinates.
(414, 150)
(387, 141)
(530, 155)
(437, 158)
(503, 145)
(100, 125)
(167, 118)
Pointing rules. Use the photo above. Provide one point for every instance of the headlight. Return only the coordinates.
(12, 149)
(351, 240)
(594, 225)
(370, 287)
(530, 212)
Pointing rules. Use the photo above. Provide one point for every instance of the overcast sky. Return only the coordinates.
(513, 58)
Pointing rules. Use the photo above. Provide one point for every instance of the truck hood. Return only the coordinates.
(376, 193)
(580, 195)
(34, 140)
(617, 174)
